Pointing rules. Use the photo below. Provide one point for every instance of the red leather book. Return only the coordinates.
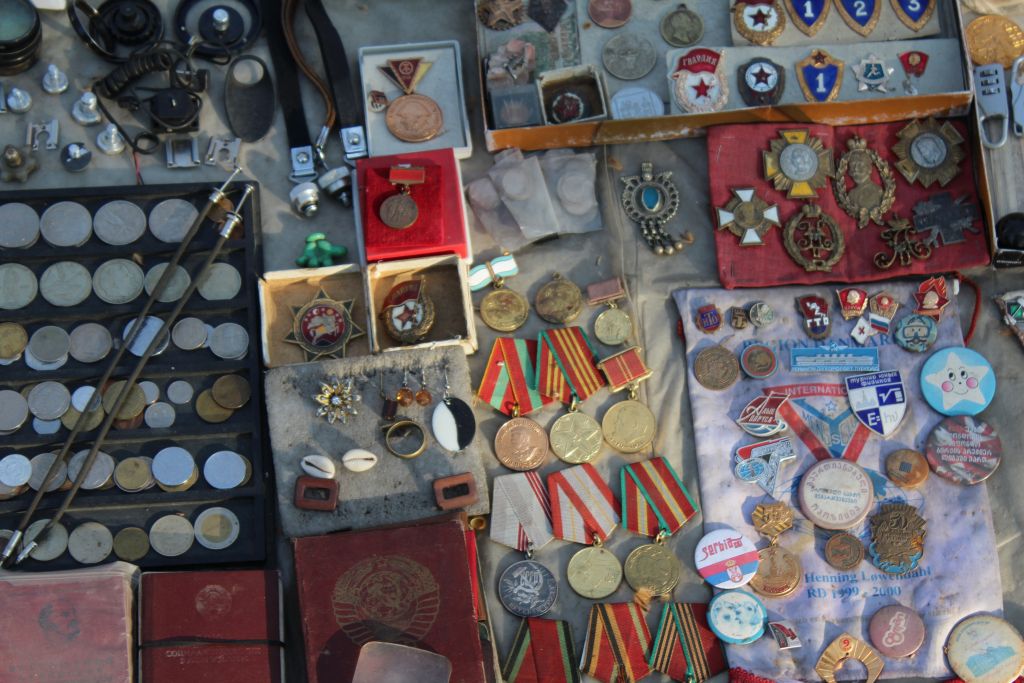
(66, 627)
(210, 627)
(408, 585)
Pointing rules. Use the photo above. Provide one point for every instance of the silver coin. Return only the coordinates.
(176, 286)
(159, 415)
(220, 282)
(170, 220)
(52, 545)
(209, 333)
(226, 470)
(179, 391)
(119, 222)
(66, 283)
(798, 161)
(66, 224)
(217, 528)
(171, 535)
(150, 390)
(629, 56)
(41, 466)
(229, 341)
(80, 398)
(10, 361)
(173, 466)
(150, 328)
(118, 281)
(15, 470)
(90, 342)
(13, 410)
(18, 286)
(40, 366)
(45, 427)
(99, 474)
(49, 400)
(20, 226)
(527, 589)
(90, 543)
(49, 344)
(189, 334)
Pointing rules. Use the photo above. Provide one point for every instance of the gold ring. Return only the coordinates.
(405, 424)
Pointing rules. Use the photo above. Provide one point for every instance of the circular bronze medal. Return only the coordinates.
(576, 438)
(504, 310)
(521, 444)
(594, 573)
(613, 327)
(629, 426)
(414, 118)
(399, 211)
(778, 572)
(907, 468)
(653, 567)
(844, 551)
(559, 302)
(716, 368)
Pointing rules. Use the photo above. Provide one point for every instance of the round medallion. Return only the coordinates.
(629, 426)
(453, 424)
(798, 162)
(985, 649)
(131, 544)
(521, 444)
(414, 118)
(758, 361)
(994, 38)
(964, 450)
(576, 438)
(527, 589)
(504, 310)
(654, 567)
(726, 558)
(908, 469)
(737, 617)
(613, 327)
(716, 368)
(916, 333)
(761, 314)
(844, 551)
(323, 327)
(681, 27)
(559, 301)
(629, 56)
(594, 573)
(928, 152)
(896, 631)
(398, 211)
(836, 494)
(958, 381)
(90, 543)
(778, 573)
(610, 13)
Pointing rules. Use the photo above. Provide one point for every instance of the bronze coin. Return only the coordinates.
(134, 474)
(610, 13)
(231, 391)
(414, 118)
(92, 420)
(504, 310)
(778, 572)
(398, 211)
(130, 423)
(132, 406)
(907, 468)
(13, 340)
(131, 544)
(559, 302)
(521, 444)
(211, 411)
(844, 551)
(716, 368)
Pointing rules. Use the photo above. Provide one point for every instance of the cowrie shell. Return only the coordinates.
(358, 460)
(319, 466)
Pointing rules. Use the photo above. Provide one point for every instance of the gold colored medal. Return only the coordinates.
(653, 567)
(778, 571)
(559, 302)
(504, 309)
(629, 426)
(613, 327)
(594, 573)
(575, 437)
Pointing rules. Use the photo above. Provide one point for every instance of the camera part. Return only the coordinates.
(221, 29)
(85, 111)
(51, 129)
(117, 29)
(249, 98)
(110, 141)
(18, 100)
(182, 152)
(55, 81)
(75, 157)
(305, 199)
(21, 37)
(17, 164)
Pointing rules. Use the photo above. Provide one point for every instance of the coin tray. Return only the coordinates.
(243, 432)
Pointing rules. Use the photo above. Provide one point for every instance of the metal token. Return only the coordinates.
(872, 74)
(758, 361)
(13, 410)
(133, 475)
(131, 544)
(226, 470)
(778, 574)
(726, 558)
(653, 567)
(65, 283)
(170, 220)
(929, 152)
(559, 301)
(414, 118)
(500, 15)
(867, 200)
(171, 535)
(49, 400)
(150, 390)
(45, 426)
(18, 286)
(92, 420)
(817, 323)
(231, 391)
(89, 342)
(504, 310)
(159, 415)
(879, 400)
(521, 444)
(40, 466)
(985, 649)
(15, 470)
(708, 319)
(629, 56)
(820, 76)
(99, 474)
(798, 164)
(610, 13)
(21, 226)
(897, 538)
(748, 217)
(699, 82)
(847, 647)
(527, 589)
(958, 381)
(118, 281)
(209, 410)
(836, 494)
(594, 573)
(907, 468)
(174, 469)
(132, 405)
(398, 211)
(52, 545)
(576, 438)
(964, 450)
(844, 551)
(613, 327)
(179, 391)
(175, 287)
(66, 224)
(916, 333)
(229, 341)
(150, 327)
(761, 314)
(716, 368)
(629, 426)
(221, 282)
(681, 27)
(761, 22)
(737, 617)
(13, 340)
(217, 528)
(90, 543)
(119, 222)
(189, 334)
(738, 318)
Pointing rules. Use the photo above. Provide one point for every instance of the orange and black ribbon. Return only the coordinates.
(684, 647)
(617, 643)
(542, 652)
(565, 365)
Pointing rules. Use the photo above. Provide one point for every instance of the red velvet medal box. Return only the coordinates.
(211, 627)
(735, 155)
(440, 227)
(410, 585)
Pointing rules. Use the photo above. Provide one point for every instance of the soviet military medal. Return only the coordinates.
(567, 373)
(820, 76)
(779, 571)
(411, 117)
(798, 164)
(559, 301)
(748, 217)
(323, 327)
(628, 426)
(502, 309)
(408, 313)
(613, 326)
(761, 82)
(400, 211)
(759, 21)
(699, 82)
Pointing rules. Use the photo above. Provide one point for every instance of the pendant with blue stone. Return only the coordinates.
(652, 201)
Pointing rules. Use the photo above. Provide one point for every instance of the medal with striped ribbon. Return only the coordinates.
(566, 371)
(542, 652)
(684, 647)
(617, 643)
(629, 426)
(503, 309)
(520, 511)
(509, 383)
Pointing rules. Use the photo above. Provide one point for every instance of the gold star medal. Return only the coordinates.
(323, 327)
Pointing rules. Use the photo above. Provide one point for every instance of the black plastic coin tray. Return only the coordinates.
(243, 432)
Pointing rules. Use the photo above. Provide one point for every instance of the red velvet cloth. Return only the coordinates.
(735, 160)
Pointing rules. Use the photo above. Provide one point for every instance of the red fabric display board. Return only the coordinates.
(736, 160)
(440, 227)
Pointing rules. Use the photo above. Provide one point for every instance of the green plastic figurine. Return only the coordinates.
(319, 252)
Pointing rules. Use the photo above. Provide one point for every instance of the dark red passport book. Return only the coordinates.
(408, 585)
(210, 627)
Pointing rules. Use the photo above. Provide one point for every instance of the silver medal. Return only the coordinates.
(527, 589)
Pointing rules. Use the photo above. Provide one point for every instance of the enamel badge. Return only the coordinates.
(820, 76)
(932, 297)
(882, 309)
(872, 74)
(860, 15)
(323, 327)
(817, 323)
(761, 417)
(761, 82)
(759, 21)
(709, 318)
(748, 217)
(759, 463)
(852, 302)
(808, 15)
(699, 81)
(879, 400)
(914, 13)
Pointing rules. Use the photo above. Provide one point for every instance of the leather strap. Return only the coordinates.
(289, 97)
(339, 79)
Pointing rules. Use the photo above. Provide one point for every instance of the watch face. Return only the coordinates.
(761, 77)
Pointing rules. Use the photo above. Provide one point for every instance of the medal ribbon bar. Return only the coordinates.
(542, 651)
(582, 505)
(654, 499)
(520, 511)
(565, 361)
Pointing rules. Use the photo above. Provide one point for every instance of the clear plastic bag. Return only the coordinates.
(520, 184)
(494, 216)
(571, 182)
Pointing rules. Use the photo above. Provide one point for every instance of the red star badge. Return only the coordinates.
(408, 314)
(819, 58)
(760, 18)
(762, 76)
(702, 89)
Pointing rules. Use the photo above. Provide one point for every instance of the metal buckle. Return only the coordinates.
(990, 87)
(353, 138)
(303, 163)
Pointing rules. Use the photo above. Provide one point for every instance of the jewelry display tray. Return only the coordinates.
(244, 432)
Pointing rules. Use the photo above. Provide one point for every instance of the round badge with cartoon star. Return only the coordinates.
(958, 381)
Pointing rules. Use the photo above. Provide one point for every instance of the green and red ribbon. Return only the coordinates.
(654, 500)
(542, 652)
(509, 382)
(684, 647)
